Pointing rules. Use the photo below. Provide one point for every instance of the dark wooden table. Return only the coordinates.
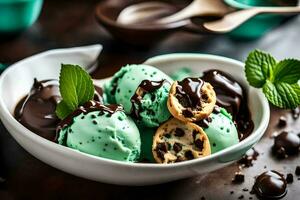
(72, 23)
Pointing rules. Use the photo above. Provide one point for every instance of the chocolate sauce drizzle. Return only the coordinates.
(146, 86)
(90, 106)
(36, 111)
(188, 92)
(232, 97)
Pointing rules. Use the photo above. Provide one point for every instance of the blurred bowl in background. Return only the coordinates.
(107, 12)
(17, 15)
(261, 24)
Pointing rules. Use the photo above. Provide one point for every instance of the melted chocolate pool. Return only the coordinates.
(36, 111)
(231, 96)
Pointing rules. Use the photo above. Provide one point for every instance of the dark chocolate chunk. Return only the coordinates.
(179, 132)
(282, 121)
(270, 185)
(285, 144)
(241, 197)
(289, 178)
(239, 177)
(297, 171)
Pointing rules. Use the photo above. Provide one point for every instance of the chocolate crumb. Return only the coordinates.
(297, 171)
(282, 121)
(247, 159)
(239, 177)
(289, 178)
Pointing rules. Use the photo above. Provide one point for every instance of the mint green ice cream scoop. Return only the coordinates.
(100, 133)
(143, 91)
(221, 131)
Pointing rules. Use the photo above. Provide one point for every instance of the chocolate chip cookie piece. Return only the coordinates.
(191, 99)
(176, 141)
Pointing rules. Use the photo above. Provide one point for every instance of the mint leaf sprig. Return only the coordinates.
(280, 81)
(76, 88)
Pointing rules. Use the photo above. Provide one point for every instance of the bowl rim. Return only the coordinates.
(9, 119)
(237, 4)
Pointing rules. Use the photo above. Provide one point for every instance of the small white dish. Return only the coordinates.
(16, 81)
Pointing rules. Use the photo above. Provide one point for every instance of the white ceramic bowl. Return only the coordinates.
(16, 81)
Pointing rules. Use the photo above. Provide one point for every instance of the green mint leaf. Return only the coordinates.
(259, 67)
(76, 88)
(282, 95)
(62, 110)
(287, 71)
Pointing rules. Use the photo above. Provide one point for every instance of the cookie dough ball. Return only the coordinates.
(191, 99)
(177, 141)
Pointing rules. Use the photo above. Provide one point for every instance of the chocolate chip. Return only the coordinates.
(93, 116)
(289, 178)
(189, 155)
(202, 198)
(177, 147)
(94, 122)
(167, 135)
(297, 171)
(231, 192)
(162, 147)
(241, 197)
(199, 144)
(187, 113)
(245, 190)
(282, 121)
(239, 177)
(160, 154)
(179, 132)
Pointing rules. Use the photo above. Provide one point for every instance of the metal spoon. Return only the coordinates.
(235, 19)
(138, 12)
